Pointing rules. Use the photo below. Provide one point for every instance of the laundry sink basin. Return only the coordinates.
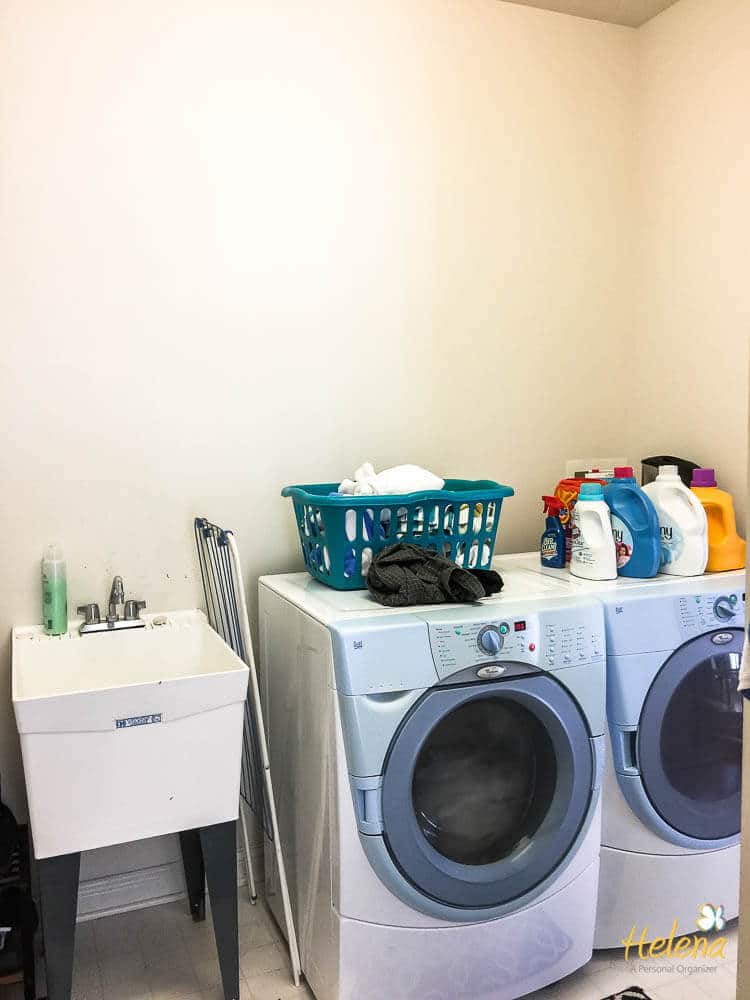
(128, 734)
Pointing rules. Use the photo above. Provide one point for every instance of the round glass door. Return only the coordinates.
(690, 738)
(484, 780)
(486, 788)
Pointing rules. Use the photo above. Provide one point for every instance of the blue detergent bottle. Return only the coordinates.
(552, 548)
(635, 526)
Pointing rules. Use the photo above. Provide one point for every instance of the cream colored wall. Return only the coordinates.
(693, 297)
(690, 358)
(245, 245)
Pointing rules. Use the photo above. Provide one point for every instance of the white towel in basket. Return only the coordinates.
(399, 479)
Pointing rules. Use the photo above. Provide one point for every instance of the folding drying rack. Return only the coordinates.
(226, 607)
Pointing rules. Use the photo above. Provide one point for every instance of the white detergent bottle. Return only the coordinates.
(593, 555)
(683, 525)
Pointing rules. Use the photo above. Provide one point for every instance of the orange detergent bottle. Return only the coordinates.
(567, 492)
(726, 550)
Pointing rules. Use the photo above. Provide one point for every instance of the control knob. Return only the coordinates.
(490, 640)
(724, 609)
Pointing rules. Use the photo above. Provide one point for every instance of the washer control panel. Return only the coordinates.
(551, 641)
(459, 644)
(698, 613)
(566, 643)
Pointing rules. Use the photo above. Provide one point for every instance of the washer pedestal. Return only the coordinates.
(502, 959)
(631, 892)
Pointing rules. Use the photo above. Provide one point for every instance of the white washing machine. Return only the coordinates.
(437, 772)
(671, 794)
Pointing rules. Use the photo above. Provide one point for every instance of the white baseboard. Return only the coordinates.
(100, 897)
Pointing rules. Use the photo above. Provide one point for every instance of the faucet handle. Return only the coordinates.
(133, 609)
(90, 612)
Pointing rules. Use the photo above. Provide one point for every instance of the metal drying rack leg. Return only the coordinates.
(251, 889)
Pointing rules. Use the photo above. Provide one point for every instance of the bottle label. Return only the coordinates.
(549, 547)
(54, 605)
(672, 543)
(580, 552)
(623, 541)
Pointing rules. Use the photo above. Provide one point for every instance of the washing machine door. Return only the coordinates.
(486, 788)
(689, 744)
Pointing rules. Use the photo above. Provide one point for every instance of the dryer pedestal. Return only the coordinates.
(632, 892)
(502, 959)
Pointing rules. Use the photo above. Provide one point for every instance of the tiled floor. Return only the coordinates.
(160, 954)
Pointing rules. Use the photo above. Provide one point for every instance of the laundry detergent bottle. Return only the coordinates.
(635, 526)
(592, 553)
(552, 547)
(726, 550)
(682, 524)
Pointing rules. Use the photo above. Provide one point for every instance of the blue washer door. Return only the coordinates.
(690, 738)
(486, 788)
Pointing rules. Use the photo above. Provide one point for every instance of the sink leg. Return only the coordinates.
(58, 882)
(195, 874)
(219, 844)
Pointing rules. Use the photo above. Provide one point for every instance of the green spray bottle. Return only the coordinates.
(54, 591)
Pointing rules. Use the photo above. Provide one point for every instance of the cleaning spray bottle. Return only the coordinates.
(54, 591)
(552, 547)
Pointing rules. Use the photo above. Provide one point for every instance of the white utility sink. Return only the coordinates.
(128, 734)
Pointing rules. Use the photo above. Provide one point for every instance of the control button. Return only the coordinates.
(488, 672)
(490, 640)
(504, 628)
(724, 609)
(532, 647)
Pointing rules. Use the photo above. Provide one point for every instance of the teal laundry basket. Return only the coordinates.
(341, 534)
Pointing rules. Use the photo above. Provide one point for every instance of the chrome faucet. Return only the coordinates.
(92, 618)
(116, 596)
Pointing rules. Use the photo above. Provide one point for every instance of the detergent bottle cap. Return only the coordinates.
(703, 477)
(668, 472)
(623, 472)
(590, 491)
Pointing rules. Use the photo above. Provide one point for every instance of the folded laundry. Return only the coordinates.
(402, 575)
(399, 479)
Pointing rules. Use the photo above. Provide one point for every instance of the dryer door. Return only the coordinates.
(690, 738)
(486, 788)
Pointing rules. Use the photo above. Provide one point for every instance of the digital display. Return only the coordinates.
(519, 626)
